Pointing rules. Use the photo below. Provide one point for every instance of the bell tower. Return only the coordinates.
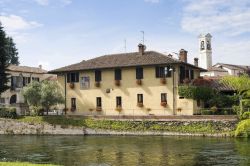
(205, 51)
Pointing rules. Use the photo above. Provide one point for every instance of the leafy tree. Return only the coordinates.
(3, 61)
(12, 52)
(32, 94)
(50, 94)
(42, 95)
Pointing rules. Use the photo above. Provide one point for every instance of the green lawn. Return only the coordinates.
(22, 164)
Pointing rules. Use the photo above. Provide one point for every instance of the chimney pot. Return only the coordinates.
(141, 48)
(196, 61)
(183, 55)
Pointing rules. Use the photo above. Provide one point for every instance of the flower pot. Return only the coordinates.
(119, 109)
(117, 82)
(164, 104)
(71, 85)
(163, 81)
(73, 109)
(97, 84)
(179, 109)
(139, 82)
(98, 108)
(140, 104)
(91, 109)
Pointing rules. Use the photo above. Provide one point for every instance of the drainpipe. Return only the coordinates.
(174, 96)
(65, 92)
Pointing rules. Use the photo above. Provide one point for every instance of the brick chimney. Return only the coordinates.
(141, 48)
(196, 60)
(183, 55)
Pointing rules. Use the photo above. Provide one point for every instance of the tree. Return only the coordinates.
(50, 94)
(32, 94)
(12, 52)
(3, 62)
(42, 95)
(242, 85)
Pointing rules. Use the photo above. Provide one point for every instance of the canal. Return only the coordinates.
(125, 150)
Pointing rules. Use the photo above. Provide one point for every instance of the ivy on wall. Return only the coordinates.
(196, 92)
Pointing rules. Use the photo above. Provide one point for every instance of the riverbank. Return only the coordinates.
(61, 125)
(23, 164)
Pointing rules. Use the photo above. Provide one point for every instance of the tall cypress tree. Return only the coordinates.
(3, 61)
(12, 52)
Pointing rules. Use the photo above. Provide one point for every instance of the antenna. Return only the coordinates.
(142, 37)
(125, 45)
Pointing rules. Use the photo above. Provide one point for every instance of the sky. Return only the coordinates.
(56, 33)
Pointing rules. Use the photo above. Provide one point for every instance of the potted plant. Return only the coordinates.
(139, 82)
(118, 108)
(140, 104)
(73, 109)
(163, 81)
(117, 82)
(148, 109)
(71, 85)
(164, 103)
(179, 109)
(91, 109)
(98, 108)
(97, 84)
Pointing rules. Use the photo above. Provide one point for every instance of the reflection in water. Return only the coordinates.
(125, 150)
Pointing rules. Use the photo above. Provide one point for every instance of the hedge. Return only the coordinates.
(8, 113)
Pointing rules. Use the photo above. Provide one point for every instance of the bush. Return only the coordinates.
(206, 112)
(8, 113)
(245, 115)
(243, 129)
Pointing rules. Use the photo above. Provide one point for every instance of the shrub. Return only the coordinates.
(245, 115)
(243, 129)
(206, 112)
(8, 113)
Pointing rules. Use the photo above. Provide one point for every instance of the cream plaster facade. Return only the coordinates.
(151, 89)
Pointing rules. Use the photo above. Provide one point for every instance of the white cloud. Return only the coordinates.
(152, 1)
(48, 2)
(17, 26)
(216, 16)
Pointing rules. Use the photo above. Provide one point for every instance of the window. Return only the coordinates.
(208, 45)
(16, 82)
(118, 74)
(139, 73)
(182, 73)
(85, 82)
(162, 72)
(139, 98)
(98, 102)
(118, 101)
(164, 97)
(2, 101)
(35, 79)
(192, 74)
(72, 77)
(73, 103)
(202, 45)
(98, 75)
(187, 74)
(26, 81)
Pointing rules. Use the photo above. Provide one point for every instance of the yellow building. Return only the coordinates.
(137, 83)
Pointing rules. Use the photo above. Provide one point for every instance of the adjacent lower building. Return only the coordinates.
(137, 83)
(20, 76)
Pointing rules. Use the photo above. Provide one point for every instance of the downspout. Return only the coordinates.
(174, 96)
(65, 93)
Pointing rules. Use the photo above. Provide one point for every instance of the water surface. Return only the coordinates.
(125, 150)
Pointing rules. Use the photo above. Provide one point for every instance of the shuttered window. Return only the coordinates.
(118, 74)
(98, 75)
(139, 73)
(73, 77)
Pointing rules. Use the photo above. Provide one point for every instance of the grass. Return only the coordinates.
(22, 164)
(194, 127)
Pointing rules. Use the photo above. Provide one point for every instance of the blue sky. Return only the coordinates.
(56, 33)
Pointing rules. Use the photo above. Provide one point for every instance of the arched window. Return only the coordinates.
(202, 45)
(13, 99)
(208, 45)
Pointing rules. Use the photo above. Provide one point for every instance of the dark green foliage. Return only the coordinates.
(196, 92)
(8, 113)
(3, 61)
(224, 101)
(12, 51)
